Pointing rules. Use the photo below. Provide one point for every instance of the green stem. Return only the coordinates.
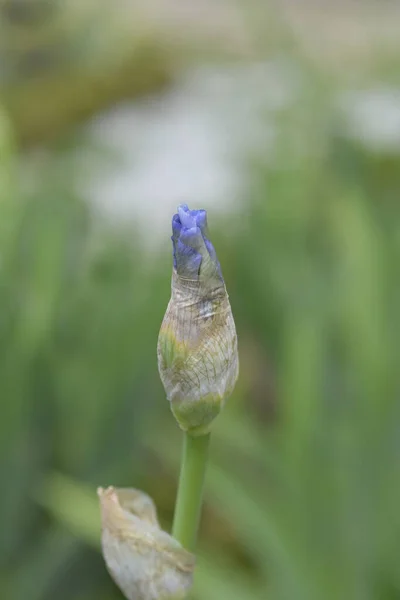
(190, 491)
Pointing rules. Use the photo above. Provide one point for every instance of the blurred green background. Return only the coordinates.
(303, 488)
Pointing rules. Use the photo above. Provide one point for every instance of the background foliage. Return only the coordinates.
(303, 488)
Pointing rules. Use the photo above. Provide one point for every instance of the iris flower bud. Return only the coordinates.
(145, 562)
(197, 346)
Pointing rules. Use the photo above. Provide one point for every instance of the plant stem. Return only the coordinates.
(190, 491)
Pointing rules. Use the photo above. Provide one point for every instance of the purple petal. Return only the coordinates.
(187, 219)
(188, 261)
(192, 237)
(191, 244)
(201, 219)
(176, 226)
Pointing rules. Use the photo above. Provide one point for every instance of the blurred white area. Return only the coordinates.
(373, 117)
(189, 144)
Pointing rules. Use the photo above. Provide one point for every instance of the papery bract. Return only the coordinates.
(145, 562)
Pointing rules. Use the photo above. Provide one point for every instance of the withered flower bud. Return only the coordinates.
(145, 562)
